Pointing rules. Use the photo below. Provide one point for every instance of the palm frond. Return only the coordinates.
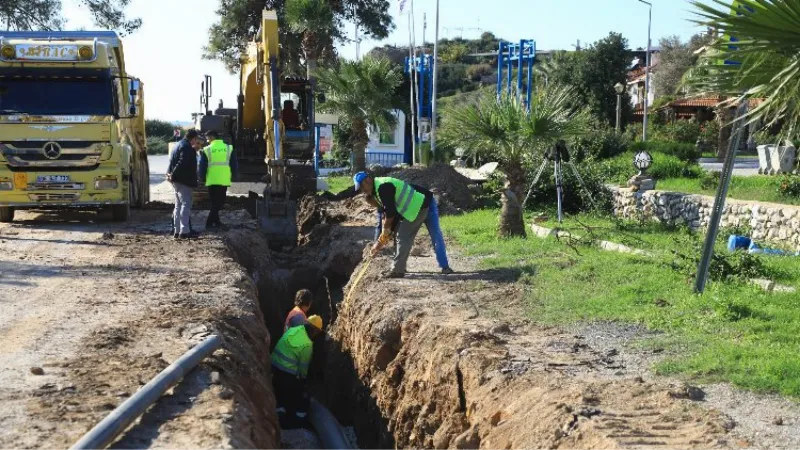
(762, 62)
(503, 129)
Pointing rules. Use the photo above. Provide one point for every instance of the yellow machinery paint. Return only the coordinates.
(72, 129)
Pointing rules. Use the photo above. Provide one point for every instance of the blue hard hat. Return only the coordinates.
(358, 178)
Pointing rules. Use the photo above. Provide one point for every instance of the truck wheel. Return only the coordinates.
(121, 213)
(6, 214)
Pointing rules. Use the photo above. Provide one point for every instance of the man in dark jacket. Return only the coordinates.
(182, 173)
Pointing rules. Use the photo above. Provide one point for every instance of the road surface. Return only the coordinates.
(744, 166)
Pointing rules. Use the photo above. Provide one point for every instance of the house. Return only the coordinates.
(636, 82)
(388, 147)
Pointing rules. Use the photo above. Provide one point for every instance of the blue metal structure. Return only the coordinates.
(524, 54)
(424, 66)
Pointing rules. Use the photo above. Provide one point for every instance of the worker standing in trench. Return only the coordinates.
(290, 361)
(403, 208)
(303, 300)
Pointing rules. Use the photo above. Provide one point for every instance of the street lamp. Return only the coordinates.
(647, 70)
(620, 88)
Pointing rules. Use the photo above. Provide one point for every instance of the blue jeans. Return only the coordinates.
(434, 230)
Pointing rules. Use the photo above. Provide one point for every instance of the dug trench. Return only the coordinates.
(433, 361)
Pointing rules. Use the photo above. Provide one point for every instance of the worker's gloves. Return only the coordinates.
(382, 241)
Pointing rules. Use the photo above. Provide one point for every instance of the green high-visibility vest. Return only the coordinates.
(406, 199)
(293, 352)
(219, 163)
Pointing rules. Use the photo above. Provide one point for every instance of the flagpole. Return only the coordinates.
(412, 82)
(416, 75)
(433, 92)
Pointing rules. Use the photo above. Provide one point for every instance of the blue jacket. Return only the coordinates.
(183, 164)
(202, 170)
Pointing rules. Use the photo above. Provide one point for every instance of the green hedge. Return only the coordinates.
(619, 169)
(688, 153)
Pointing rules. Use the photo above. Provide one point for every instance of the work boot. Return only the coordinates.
(447, 271)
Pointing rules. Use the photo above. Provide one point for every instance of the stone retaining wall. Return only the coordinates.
(772, 222)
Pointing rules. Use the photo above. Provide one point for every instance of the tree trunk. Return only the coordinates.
(512, 223)
(725, 116)
(360, 139)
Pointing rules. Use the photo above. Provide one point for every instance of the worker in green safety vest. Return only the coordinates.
(218, 167)
(290, 361)
(403, 209)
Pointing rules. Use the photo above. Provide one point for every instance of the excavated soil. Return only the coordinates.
(450, 187)
(433, 361)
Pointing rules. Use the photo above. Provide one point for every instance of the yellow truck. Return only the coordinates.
(71, 124)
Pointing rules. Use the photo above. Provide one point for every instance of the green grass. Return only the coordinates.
(734, 332)
(338, 183)
(758, 187)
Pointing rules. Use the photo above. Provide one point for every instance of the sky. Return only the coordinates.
(166, 52)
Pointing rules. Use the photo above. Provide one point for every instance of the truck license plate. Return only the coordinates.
(52, 179)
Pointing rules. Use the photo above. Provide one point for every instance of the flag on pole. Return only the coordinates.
(402, 4)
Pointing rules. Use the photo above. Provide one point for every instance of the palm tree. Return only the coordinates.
(361, 93)
(314, 20)
(767, 50)
(502, 129)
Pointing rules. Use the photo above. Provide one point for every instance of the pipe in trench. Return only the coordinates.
(115, 423)
(328, 429)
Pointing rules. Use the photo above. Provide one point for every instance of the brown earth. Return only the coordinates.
(433, 361)
(98, 309)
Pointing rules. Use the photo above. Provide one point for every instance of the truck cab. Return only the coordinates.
(71, 124)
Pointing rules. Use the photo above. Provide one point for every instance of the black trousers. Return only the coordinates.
(216, 195)
(290, 394)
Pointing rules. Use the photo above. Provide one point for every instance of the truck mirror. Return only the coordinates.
(321, 97)
(134, 88)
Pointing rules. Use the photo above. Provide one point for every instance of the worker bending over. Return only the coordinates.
(404, 208)
(290, 361)
(218, 166)
(302, 304)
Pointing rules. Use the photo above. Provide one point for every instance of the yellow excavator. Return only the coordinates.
(274, 134)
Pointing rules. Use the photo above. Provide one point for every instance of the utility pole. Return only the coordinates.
(424, 29)
(647, 70)
(412, 77)
(435, 71)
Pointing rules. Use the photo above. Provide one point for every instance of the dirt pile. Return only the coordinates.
(450, 187)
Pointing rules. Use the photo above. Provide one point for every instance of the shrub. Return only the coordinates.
(683, 131)
(599, 144)
(619, 169)
(725, 266)
(789, 186)
(477, 72)
(709, 136)
(685, 152)
(157, 145)
(574, 196)
(710, 180)
(159, 128)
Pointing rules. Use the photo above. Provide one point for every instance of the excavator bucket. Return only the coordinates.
(277, 219)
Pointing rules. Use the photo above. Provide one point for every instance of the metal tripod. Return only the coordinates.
(558, 156)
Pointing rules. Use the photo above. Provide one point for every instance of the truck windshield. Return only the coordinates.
(53, 96)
